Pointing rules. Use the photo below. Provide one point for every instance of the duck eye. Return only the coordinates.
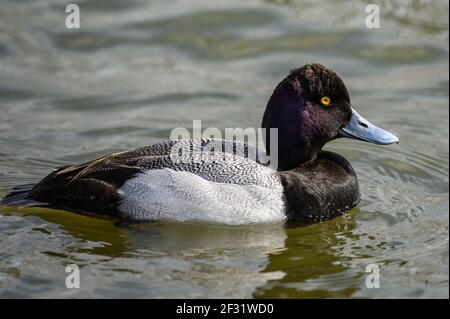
(325, 100)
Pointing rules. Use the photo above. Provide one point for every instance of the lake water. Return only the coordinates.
(137, 69)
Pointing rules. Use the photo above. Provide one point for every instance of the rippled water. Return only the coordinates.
(136, 69)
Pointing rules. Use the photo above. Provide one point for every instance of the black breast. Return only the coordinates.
(322, 189)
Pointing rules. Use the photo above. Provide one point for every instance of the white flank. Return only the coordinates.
(184, 196)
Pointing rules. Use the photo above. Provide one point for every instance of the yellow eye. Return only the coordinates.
(325, 100)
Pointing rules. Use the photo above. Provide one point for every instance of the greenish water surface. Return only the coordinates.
(137, 69)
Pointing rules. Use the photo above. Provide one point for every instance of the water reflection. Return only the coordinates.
(316, 267)
(199, 257)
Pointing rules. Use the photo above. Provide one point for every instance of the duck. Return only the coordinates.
(309, 108)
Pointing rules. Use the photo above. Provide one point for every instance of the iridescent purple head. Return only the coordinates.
(311, 107)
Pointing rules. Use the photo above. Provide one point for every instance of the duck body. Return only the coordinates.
(146, 184)
(322, 189)
(228, 181)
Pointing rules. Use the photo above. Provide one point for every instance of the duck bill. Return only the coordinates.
(360, 129)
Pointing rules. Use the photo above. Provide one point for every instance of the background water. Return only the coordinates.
(137, 69)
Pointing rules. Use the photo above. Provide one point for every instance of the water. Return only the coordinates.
(137, 69)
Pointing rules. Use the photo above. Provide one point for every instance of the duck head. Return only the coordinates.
(310, 108)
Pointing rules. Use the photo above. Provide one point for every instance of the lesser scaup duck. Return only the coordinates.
(310, 108)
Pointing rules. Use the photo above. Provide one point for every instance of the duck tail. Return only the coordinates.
(19, 197)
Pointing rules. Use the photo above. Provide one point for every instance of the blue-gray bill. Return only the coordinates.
(361, 129)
